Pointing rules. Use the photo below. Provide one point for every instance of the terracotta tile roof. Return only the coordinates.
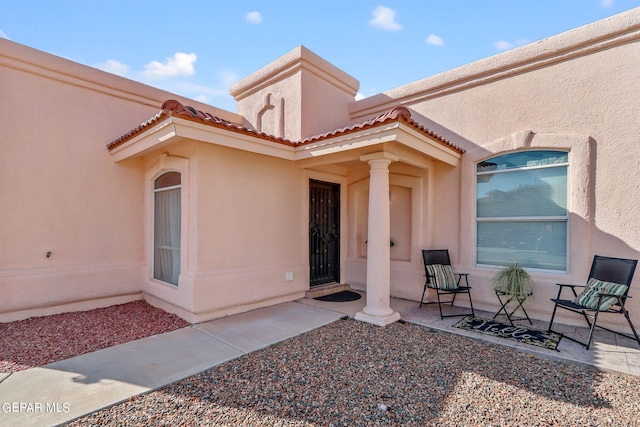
(399, 113)
(176, 109)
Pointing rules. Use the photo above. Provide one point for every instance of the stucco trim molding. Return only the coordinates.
(599, 36)
(298, 59)
(32, 61)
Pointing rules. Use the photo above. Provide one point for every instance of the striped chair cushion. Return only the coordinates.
(441, 276)
(589, 296)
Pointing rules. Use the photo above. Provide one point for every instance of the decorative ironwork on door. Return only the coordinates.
(324, 232)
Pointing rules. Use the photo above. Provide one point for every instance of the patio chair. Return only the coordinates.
(440, 276)
(605, 292)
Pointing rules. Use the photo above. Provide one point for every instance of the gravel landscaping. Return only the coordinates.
(351, 373)
(36, 341)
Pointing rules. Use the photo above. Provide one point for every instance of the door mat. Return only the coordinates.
(519, 333)
(341, 296)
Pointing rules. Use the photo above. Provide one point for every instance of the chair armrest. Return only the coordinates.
(614, 296)
(429, 282)
(570, 285)
(561, 286)
(621, 298)
(460, 276)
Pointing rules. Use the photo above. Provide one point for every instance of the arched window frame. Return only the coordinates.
(167, 227)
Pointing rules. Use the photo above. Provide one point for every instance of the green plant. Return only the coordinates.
(513, 280)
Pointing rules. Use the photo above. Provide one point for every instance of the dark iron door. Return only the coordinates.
(324, 232)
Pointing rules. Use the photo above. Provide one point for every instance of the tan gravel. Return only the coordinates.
(351, 373)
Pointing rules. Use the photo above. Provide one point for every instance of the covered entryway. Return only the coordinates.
(347, 245)
(324, 232)
(363, 155)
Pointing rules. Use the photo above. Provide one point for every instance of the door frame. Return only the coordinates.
(330, 274)
(334, 179)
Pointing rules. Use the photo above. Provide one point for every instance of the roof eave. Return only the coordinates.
(391, 132)
(175, 129)
(176, 122)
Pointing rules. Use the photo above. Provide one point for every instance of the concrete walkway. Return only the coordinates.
(61, 391)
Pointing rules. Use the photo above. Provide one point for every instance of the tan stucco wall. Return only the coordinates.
(244, 229)
(251, 230)
(245, 215)
(576, 91)
(271, 99)
(61, 192)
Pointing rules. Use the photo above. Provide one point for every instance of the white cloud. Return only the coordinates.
(176, 76)
(606, 3)
(227, 77)
(180, 64)
(359, 96)
(114, 67)
(254, 17)
(195, 90)
(216, 95)
(505, 45)
(435, 40)
(215, 92)
(385, 18)
(3, 35)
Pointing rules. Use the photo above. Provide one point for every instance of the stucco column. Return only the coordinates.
(378, 310)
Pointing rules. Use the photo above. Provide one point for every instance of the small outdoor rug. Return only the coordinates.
(519, 333)
(341, 296)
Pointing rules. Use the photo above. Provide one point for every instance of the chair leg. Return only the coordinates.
(439, 304)
(555, 307)
(423, 292)
(466, 280)
(453, 300)
(635, 334)
(592, 327)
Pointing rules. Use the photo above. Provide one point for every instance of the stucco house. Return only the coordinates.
(114, 191)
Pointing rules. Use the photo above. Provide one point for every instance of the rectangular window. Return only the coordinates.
(521, 210)
(167, 228)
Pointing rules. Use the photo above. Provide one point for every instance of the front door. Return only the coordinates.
(324, 232)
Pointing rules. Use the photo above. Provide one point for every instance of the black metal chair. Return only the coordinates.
(606, 291)
(440, 276)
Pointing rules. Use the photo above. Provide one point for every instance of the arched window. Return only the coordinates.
(166, 235)
(521, 210)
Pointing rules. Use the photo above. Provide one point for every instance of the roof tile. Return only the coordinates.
(174, 108)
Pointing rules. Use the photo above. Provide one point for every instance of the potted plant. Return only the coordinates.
(513, 280)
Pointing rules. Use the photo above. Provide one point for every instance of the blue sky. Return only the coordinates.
(198, 49)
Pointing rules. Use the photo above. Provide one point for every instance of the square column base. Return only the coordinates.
(378, 320)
